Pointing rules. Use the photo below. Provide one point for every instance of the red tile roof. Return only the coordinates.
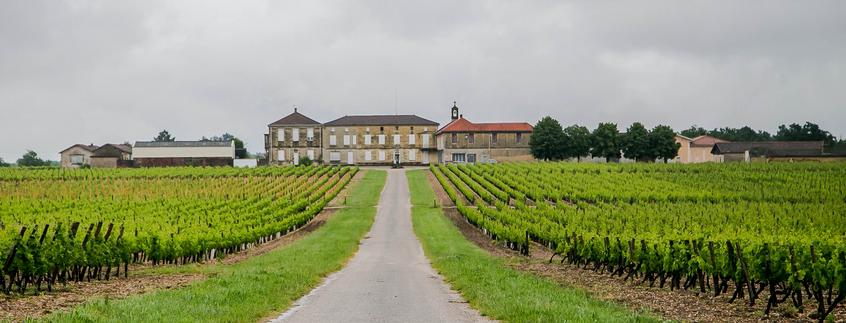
(706, 141)
(464, 125)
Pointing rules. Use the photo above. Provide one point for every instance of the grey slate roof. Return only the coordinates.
(295, 118)
(770, 148)
(86, 147)
(381, 120)
(139, 144)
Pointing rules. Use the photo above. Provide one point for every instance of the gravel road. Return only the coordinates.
(389, 279)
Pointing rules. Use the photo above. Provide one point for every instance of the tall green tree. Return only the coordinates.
(164, 136)
(744, 133)
(240, 151)
(3, 163)
(578, 141)
(605, 141)
(635, 143)
(807, 132)
(694, 131)
(30, 159)
(662, 143)
(547, 141)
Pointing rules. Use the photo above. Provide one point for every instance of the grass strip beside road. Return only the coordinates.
(257, 287)
(489, 284)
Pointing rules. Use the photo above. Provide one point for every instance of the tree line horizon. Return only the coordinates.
(578, 141)
(551, 141)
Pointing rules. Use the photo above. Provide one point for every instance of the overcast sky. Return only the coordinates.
(114, 71)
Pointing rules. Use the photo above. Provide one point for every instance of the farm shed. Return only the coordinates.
(183, 153)
(697, 150)
(77, 155)
(747, 151)
(112, 156)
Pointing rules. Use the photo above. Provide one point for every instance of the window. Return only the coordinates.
(412, 139)
(471, 158)
(382, 129)
(280, 134)
(493, 138)
(352, 138)
(458, 158)
(310, 134)
(519, 136)
(454, 138)
(367, 155)
(425, 138)
(295, 134)
(310, 154)
(346, 140)
(471, 138)
(367, 140)
(381, 155)
(280, 155)
(335, 156)
(77, 159)
(381, 139)
(333, 140)
(396, 139)
(412, 154)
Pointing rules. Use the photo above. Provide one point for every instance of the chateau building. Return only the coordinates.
(291, 137)
(395, 139)
(379, 140)
(462, 141)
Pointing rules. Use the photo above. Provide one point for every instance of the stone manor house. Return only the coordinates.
(388, 139)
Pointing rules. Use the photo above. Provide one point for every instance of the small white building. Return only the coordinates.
(183, 153)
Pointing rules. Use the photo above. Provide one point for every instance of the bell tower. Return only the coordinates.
(454, 111)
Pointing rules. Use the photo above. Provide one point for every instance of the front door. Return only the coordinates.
(471, 158)
(425, 157)
(350, 159)
(296, 157)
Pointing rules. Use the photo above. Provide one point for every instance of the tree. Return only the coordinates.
(305, 161)
(605, 141)
(740, 134)
(240, 152)
(164, 136)
(547, 141)
(662, 143)
(694, 131)
(578, 141)
(635, 143)
(3, 163)
(31, 159)
(807, 132)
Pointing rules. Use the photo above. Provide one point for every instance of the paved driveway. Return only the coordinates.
(389, 279)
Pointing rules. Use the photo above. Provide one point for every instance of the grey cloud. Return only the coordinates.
(104, 71)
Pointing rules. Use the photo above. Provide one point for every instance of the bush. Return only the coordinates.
(305, 161)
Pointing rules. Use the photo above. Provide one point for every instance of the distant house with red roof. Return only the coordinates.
(462, 141)
(698, 149)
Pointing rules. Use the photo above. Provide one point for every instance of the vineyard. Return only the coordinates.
(73, 225)
(769, 232)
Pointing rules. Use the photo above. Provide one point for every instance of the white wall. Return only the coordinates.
(183, 152)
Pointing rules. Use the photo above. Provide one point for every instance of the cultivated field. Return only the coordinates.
(771, 233)
(74, 225)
